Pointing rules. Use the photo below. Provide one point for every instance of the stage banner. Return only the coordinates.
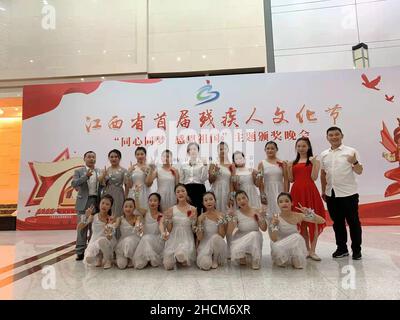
(63, 121)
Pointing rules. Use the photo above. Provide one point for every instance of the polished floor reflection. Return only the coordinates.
(41, 265)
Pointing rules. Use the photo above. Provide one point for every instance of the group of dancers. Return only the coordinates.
(121, 222)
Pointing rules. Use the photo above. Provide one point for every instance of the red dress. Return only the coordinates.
(305, 192)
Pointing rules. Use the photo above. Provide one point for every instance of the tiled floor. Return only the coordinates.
(377, 276)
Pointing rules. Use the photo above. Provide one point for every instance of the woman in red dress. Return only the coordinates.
(303, 171)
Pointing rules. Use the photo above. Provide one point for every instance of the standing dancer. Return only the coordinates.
(136, 177)
(273, 178)
(113, 179)
(167, 178)
(245, 179)
(303, 172)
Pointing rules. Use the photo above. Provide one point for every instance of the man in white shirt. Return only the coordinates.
(339, 165)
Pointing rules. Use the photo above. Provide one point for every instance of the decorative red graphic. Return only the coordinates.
(42, 184)
(52, 194)
(389, 99)
(39, 99)
(392, 144)
(371, 84)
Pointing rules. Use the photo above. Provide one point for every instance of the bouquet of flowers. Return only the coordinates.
(264, 199)
(109, 230)
(194, 224)
(164, 235)
(260, 173)
(221, 221)
(274, 227)
(309, 213)
(198, 228)
(230, 218)
(139, 229)
(137, 189)
(216, 170)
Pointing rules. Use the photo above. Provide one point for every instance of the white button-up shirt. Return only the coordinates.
(92, 183)
(196, 173)
(339, 172)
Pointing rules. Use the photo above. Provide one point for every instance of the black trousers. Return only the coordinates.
(342, 210)
(195, 193)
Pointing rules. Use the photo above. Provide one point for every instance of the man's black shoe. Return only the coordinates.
(340, 254)
(79, 257)
(356, 256)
